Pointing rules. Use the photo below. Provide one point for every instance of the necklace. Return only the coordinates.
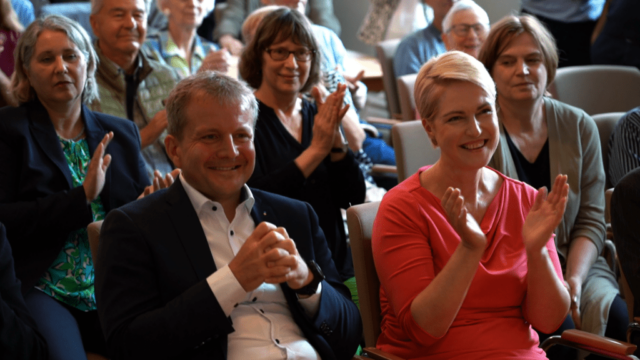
(75, 138)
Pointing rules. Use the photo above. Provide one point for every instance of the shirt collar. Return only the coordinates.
(201, 202)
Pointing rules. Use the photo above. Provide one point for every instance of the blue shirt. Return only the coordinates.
(24, 10)
(161, 47)
(566, 11)
(416, 49)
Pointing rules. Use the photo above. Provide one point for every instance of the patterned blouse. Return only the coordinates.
(161, 47)
(70, 278)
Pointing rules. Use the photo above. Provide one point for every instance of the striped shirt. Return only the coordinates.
(624, 146)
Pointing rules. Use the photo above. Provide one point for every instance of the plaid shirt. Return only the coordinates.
(161, 47)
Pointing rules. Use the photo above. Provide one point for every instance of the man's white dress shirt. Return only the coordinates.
(263, 324)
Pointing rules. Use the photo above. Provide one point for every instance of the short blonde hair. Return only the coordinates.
(250, 24)
(510, 27)
(436, 74)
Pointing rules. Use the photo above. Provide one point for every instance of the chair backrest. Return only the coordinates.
(413, 148)
(606, 123)
(406, 97)
(385, 51)
(598, 89)
(360, 221)
(93, 231)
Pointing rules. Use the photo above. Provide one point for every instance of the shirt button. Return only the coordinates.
(215, 208)
(231, 232)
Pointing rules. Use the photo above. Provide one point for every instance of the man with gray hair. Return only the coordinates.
(465, 27)
(211, 269)
(131, 85)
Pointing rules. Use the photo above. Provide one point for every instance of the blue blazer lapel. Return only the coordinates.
(45, 136)
(190, 233)
(94, 133)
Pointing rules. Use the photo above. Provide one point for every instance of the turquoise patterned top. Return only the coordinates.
(70, 278)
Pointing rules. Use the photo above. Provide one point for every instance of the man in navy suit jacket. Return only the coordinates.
(210, 269)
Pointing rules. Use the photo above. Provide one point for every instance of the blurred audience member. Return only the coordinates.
(540, 138)
(300, 150)
(62, 166)
(131, 85)
(179, 46)
(619, 41)
(367, 148)
(466, 27)
(19, 336)
(624, 146)
(417, 48)
(228, 31)
(571, 22)
(10, 29)
(24, 11)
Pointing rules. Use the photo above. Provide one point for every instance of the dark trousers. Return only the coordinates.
(69, 332)
(572, 39)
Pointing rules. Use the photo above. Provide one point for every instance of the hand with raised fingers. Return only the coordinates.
(159, 182)
(545, 215)
(465, 225)
(94, 180)
(326, 126)
(258, 258)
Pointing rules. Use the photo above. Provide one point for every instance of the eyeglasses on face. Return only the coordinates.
(463, 29)
(279, 54)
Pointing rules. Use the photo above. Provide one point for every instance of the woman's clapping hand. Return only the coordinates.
(94, 180)
(326, 127)
(160, 182)
(466, 226)
(545, 215)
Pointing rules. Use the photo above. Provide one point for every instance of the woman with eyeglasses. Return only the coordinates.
(466, 26)
(301, 152)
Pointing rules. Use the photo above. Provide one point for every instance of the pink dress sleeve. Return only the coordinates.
(401, 238)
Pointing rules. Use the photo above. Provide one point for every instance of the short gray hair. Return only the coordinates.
(225, 89)
(20, 86)
(462, 5)
(97, 5)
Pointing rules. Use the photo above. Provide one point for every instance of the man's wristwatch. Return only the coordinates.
(318, 276)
